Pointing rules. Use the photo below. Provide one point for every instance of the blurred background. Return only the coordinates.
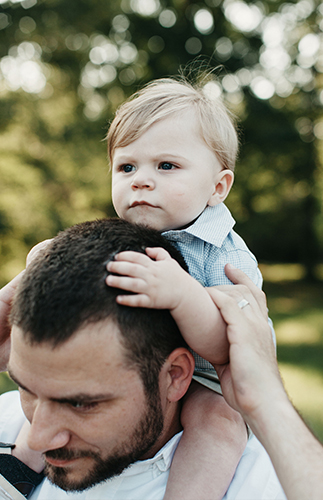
(66, 65)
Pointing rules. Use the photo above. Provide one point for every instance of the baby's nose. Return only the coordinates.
(141, 181)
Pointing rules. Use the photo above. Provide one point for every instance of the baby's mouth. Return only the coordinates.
(140, 203)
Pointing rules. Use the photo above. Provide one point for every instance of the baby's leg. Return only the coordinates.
(212, 444)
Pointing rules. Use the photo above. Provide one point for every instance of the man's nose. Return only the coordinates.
(47, 429)
(143, 180)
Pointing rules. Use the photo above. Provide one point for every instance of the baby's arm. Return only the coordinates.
(159, 282)
(6, 297)
(212, 444)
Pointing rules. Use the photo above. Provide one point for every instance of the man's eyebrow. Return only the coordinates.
(83, 398)
(74, 398)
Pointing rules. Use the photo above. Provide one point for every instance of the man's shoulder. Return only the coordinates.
(8, 401)
(11, 416)
(255, 477)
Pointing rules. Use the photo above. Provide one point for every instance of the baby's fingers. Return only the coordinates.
(157, 253)
(130, 256)
(139, 300)
(127, 269)
(135, 285)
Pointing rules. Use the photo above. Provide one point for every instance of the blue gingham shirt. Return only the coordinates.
(210, 243)
(207, 246)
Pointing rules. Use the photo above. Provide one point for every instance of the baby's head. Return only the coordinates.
(165, 97)
(172, 152)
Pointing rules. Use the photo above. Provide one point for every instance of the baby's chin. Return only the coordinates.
(152, 217)
(147, 217)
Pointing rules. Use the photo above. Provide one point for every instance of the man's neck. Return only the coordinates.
(172, 426)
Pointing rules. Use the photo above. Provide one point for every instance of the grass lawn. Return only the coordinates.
(296, 308)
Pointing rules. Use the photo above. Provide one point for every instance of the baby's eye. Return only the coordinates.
(127, 168)
(166, 165)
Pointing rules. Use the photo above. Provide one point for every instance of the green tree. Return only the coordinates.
(65, 66)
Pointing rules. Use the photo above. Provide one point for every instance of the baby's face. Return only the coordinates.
(166, 177)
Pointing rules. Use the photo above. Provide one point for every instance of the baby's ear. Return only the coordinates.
(222, 186)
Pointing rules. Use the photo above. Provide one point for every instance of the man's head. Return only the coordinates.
(172, 152)
(99, 381)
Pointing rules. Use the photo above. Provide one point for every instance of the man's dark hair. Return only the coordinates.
(64, 289)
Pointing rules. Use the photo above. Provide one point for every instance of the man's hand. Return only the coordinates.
(156, 279)
(251, 377)
(252, 385)
(6, 296)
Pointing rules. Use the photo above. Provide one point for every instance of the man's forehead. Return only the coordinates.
(106, 329)
(95, 345)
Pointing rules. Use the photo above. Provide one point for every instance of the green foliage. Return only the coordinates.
(6, 384)
(50, 176)
(65, 66)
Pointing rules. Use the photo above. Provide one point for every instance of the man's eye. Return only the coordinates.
(79, 405)
(127, 168)
(166, 165)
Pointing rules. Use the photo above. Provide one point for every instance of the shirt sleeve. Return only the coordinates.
(217, 258)
(241, 258)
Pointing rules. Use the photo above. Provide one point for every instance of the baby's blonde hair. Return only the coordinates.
(164, 97)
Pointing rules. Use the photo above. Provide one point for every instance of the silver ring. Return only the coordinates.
(243, 303)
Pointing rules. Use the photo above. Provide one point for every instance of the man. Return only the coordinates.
(101, 383)
(251, 384)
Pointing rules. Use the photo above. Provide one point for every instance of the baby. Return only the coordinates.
(172, 151)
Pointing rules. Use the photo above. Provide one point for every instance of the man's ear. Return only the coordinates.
(223, 184)
(180, 366)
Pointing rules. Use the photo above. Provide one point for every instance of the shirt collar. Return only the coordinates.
(212, 226)
(162, 460)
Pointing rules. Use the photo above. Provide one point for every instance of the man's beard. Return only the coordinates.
(140, 442)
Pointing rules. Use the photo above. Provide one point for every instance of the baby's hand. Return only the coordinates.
(155, 278)
(6, 297)
(36, 249)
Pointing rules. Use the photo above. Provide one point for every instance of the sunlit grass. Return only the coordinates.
(296, 308)
(305, 388)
